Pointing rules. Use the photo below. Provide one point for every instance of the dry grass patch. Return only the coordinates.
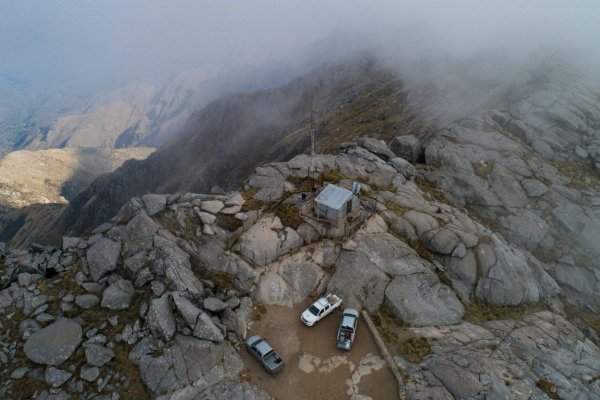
(332, 175)
(222, 280)
(134, 388)
(547, 387)
(398, 210)
(27, 388)
(589, 318)
(302, 184)
(228, 222)
(398, 338)
(386, 188)
(484, 168)
(478, 312)
(443, 277)
(288, 214)
(431, 190)
(583, 176)
(257, 312)
(414, 349)
(251, 203)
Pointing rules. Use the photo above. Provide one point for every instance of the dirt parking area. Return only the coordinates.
(315, 368)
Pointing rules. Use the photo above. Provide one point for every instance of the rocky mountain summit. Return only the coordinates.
(530, 171)
(155, 302)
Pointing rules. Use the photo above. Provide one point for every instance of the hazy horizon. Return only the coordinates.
(102, 44)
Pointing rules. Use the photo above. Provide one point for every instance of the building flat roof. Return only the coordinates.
(334, 196)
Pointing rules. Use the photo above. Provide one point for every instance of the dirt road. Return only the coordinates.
(315, 368)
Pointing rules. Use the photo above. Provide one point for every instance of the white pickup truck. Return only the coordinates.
(320, 308)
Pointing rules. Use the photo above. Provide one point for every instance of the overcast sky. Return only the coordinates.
(119, 40)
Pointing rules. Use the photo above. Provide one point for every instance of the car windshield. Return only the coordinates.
(314, 310)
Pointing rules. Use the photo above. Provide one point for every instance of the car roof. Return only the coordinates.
(263, 347)
(348, 321)
(253, 339)
(350, 311)
(322, 302)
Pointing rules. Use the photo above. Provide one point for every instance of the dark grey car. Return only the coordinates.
(260, 349)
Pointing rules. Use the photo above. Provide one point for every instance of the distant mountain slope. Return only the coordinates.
(143, 112)
(224, 142)
(56, 175)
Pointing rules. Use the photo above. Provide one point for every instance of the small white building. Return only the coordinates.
(334, 203)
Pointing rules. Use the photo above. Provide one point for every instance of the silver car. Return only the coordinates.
(347, 329)
(268, 357)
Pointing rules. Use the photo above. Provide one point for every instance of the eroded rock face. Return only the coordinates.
(420, 299)
(55, 343)
(514, 166)
(190, 362)
(505, 359)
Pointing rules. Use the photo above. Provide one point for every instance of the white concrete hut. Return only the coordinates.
(334, 203)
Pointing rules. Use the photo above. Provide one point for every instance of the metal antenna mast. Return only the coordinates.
(313, 106)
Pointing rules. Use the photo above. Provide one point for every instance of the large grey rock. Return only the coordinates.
(118, 296)
(206, 218)
(420, 299)
(377, 147)
(199, 321)
(206, 329)
(408, 147)
(512, 277)
(103, 257)
(154, 203)
(358, 281)
(87, 301)
(235, 199)
(55, 343)
(97, 355)
(212, 206)
(267, 240)
(56, 377)
(70, 242)
(177, 268)
(160, 318)
(442, 241)
(366, 265)
(290, 280)
(136, 262)
(462, 384)
(189, 361)
(213, 304)
(404, 167)
(140, 234)
(533, 187)
(89, 373)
